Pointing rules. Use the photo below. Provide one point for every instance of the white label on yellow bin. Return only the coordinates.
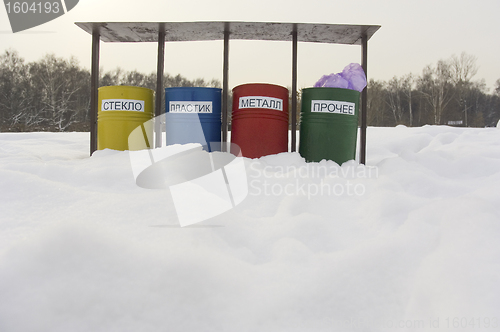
(333, 106)
(190, 107)
(261, 102)
(122, 105)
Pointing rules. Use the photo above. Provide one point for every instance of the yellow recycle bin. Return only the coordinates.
(121, 110)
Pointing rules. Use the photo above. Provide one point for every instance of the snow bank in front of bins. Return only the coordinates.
(408, 242)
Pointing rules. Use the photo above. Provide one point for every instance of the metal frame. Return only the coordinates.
(364, 99)
(225, 83)
(94, 85)
(159, 79)
(294, 88)
(162, 32)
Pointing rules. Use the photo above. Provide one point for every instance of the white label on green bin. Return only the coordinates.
(190, 107)
(261, 102)
(333, 106)
(122, 105)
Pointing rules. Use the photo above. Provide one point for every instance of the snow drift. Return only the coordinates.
(408, 242)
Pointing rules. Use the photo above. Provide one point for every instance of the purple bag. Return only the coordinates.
(332, 81)
(352, 77)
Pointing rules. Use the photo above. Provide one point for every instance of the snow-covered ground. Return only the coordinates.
(410, 242)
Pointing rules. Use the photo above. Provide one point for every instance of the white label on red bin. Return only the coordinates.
(190, 107)
(261, 102)
(333, 106)
(122, 105)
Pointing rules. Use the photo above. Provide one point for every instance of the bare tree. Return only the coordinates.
(375, 103)
(110, 78)
(436, 87)
(13, 87)
(59, 81)
(407, 85)
(394, 100)
(463, 68)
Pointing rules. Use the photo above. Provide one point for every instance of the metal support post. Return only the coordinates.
(225, 84)
(364, 99)
(94, 86)
(294, 89)
(159, 83)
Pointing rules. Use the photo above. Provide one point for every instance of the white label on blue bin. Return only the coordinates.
(261, 102)
(190, 107)
(333, 106)
(122, 105)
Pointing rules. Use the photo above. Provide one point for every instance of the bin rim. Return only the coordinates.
(106, 87)
(260, 84)
(192, 88)
(128, 114)
(330, 88)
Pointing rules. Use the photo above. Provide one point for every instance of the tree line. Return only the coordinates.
(444, 94)
(53, 94)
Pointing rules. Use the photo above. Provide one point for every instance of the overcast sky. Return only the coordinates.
(414, 33)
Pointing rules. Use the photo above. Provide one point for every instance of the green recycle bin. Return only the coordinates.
(329, 124)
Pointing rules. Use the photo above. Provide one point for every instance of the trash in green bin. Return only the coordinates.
(329, 124)
(352, 77)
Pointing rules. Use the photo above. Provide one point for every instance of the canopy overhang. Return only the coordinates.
(135, 32)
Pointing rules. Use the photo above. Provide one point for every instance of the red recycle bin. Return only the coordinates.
(260, 119)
